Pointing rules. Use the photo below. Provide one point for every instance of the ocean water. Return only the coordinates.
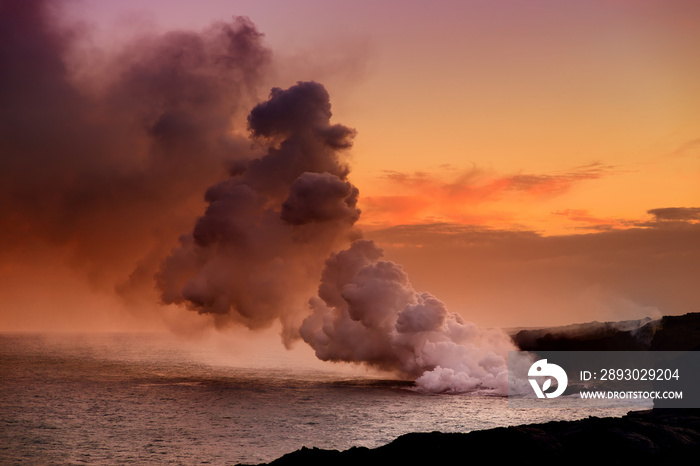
(145, 399)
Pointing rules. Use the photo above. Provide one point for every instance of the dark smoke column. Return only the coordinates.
(257, 253)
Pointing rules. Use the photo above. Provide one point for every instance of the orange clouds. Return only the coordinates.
(472, 197)
(589, 221)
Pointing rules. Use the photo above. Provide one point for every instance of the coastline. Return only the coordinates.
(651, 437)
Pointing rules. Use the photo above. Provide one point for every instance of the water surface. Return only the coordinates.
(145, 399)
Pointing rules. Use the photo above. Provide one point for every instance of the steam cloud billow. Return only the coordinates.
(107, 157)
(257, 253)
(367, 311)
(104, 161)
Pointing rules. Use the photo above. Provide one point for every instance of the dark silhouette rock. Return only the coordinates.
(670, 333)
(677, 333)
(652, 437)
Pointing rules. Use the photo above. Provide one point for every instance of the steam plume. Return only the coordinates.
(257, 252)
(108, 158)
(367, 311)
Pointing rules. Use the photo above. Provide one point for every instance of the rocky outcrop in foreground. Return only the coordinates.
(653, 437)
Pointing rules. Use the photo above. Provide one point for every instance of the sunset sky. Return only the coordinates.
(529, 163)
(553, 116)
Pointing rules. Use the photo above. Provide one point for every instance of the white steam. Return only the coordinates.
(368, 312)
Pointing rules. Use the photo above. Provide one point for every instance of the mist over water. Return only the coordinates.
(152, 399)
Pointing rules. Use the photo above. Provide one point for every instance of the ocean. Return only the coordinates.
(148, 399)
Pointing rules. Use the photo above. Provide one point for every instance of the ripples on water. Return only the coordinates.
(140, 399)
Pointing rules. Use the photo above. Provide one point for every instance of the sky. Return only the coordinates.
(529, 163)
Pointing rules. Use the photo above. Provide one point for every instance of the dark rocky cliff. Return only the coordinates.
(670, 333)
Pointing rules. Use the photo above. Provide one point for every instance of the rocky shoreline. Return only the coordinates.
(652, 437)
